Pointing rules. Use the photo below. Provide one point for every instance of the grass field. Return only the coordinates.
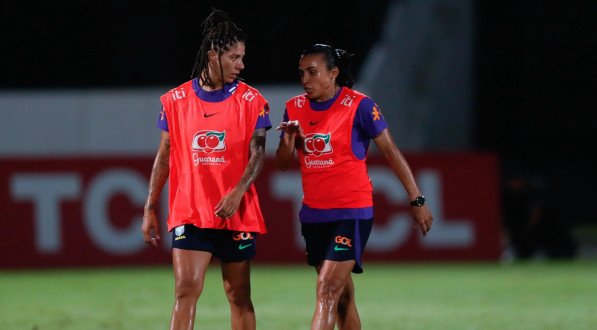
(393, 296)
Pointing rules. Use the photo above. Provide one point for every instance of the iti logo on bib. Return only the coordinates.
(318, 144)
(209, 141)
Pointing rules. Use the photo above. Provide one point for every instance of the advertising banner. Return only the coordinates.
(87, 211)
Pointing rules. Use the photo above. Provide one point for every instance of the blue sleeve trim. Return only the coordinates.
(162, 121)
(369, 118)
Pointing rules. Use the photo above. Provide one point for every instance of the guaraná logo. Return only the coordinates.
(318, 144)
(209, 141)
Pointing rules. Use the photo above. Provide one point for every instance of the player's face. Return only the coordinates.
(318, 82)
(232, 63)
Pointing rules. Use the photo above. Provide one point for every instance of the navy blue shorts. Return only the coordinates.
(226, 245)
(337, 240)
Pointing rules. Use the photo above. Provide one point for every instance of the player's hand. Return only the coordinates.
(423, 218)
(293, 133)
(287, 125)
(150, 228)
(228, 205)
(291, 127)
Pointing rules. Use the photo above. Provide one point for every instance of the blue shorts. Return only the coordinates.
(226, 245)
(339, 240)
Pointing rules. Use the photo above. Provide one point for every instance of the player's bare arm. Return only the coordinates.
(388, 148)
(287, 145)
(159, 175)
(230, 202)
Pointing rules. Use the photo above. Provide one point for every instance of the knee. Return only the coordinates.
(238, 294)
(186, 289)
(329, 288)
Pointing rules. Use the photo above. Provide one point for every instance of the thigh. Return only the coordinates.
(192, 250)
(190, 267)
(236, 276)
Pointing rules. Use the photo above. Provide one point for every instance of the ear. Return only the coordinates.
(212, 56)
(335, 72)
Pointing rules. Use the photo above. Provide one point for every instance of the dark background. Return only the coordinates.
(111, 43)
(534, 65)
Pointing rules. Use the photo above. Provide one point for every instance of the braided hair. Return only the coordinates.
(219, 34)
(335, 58)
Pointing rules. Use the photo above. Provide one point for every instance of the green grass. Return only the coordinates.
(393, 296)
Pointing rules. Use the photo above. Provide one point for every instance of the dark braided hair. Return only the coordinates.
(335, 58)
(219, 34)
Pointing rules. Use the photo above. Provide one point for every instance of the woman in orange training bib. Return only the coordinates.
(212, 149)
(330, 126)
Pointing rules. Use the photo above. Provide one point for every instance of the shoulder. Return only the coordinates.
(251, 99)
(354, 95)
(249, 93)
(297, 101)
(369, 117)
(350, 98)
(178, 93)
(366, 103)
(355, 92)
(300, 96)
(366, 110)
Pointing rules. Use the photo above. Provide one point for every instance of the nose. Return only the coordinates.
(304, 78)
(241, 65)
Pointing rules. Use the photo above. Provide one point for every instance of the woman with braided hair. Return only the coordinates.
(212, 149)
(330, 126)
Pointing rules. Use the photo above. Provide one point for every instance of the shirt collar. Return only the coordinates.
(217, 95)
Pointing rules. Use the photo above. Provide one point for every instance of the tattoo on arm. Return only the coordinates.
(256, 159)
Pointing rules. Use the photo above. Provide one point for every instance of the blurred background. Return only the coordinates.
(490, 101)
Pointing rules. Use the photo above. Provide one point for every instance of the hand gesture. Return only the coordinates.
(291, 127)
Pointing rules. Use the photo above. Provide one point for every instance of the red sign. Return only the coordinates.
(88, 211)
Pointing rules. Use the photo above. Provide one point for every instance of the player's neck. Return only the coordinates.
(217, 85)
(208, 88)
(329, 94)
